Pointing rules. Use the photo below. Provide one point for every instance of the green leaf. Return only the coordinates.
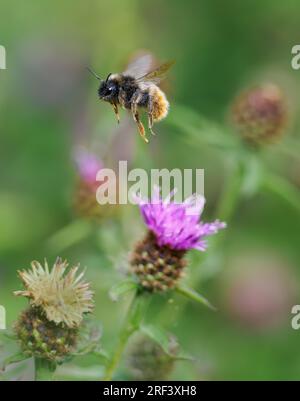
(69, 236)
(284, 189)
(184, 356)
(9, 334)
(18, 357)
(100, 353)
(165, 341)
(122, 288)
(290, 147)
(197, 128)
(194, 296)
(89, 340)
(159, 336)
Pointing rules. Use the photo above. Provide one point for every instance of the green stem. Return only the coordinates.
(44, 371)
(132, 323)
(68, 236)
(282, 188)
(228, 204)
(231, 195)
(73, 372)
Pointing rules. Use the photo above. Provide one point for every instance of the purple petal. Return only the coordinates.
(88, 165)
(178, 224)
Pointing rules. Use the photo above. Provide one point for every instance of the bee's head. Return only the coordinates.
(108, 89)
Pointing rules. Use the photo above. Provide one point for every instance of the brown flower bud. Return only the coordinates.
(146, 360)
(158, 268)
(260, 114)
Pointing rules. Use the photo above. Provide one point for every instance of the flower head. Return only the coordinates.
(63, 297)
(174, 228)
(88, 165)
(85, 200)
(44, 339)
(178, 225)
(260, 114)
(146, 360)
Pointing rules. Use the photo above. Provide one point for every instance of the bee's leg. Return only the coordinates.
(150, 115)
(141, 128)
(122, 98)
(136, 117)
(116, 111)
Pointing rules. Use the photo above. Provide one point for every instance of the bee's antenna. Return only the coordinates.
(93, 73)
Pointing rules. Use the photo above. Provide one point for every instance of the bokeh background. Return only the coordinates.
(49, 107)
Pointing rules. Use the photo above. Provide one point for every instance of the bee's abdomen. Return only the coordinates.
(160, 105)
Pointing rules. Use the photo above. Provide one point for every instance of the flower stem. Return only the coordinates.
(282, 188)
(132, 323)
(231, 195)
(226, 209)
(228, 204)
(44, 371)
(68, 236)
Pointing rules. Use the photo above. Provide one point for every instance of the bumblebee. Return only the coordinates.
(137, 88)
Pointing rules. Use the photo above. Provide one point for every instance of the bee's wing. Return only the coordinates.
(139, 66)
(157, 75)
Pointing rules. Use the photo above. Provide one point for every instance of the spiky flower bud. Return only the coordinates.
(48, 329)
(260, 114)
(173, 229)
(146, 360)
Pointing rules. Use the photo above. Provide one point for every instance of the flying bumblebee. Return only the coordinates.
(137, 88)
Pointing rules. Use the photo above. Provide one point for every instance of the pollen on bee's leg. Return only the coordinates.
(140, 127)
(150, 124)
(116, 111)
(142, 132)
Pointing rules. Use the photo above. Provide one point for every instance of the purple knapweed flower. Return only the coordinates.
(178, 225)
(85, 200)
(88, 165)
(173, 229)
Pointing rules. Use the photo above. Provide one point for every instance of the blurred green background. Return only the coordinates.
(49, 106)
